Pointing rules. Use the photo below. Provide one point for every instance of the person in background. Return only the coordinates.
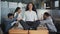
(8, 22)
(19, 18)
(18, 11)
(30, 17)
(49, 22)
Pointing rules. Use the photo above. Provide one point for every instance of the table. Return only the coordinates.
(18, 31)
(38, 32)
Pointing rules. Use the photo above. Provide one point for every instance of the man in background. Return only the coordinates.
(8, 22)
(49, 23)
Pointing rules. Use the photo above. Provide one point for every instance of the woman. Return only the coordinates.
(18, 11)
(19, 17)
(30, 17)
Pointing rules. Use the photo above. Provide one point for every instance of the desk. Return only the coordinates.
(38, 32)
(18, 31)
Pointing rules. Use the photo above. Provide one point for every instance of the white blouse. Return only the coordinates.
(30, 16)
(19, 15)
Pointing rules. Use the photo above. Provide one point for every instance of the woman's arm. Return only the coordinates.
(35, 17)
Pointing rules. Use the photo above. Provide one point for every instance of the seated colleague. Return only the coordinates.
(30, 17)
(18, 11)
(49, 22)
(9, 20)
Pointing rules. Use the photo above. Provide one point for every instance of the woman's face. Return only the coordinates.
(19, 11)
(30, 6)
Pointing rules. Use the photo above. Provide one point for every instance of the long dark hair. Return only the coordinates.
(17, 9)
(34, 9)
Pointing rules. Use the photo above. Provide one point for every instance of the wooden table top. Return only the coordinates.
(17, 31)
(44, 31)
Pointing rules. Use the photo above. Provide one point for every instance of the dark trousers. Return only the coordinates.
(52, 33)
(30, 24)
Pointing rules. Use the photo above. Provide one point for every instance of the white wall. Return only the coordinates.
(40, 13)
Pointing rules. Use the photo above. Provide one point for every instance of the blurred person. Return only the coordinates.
(30, 17)
(18, 11)
(49, 23)
(8, 22)
(19, 17)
